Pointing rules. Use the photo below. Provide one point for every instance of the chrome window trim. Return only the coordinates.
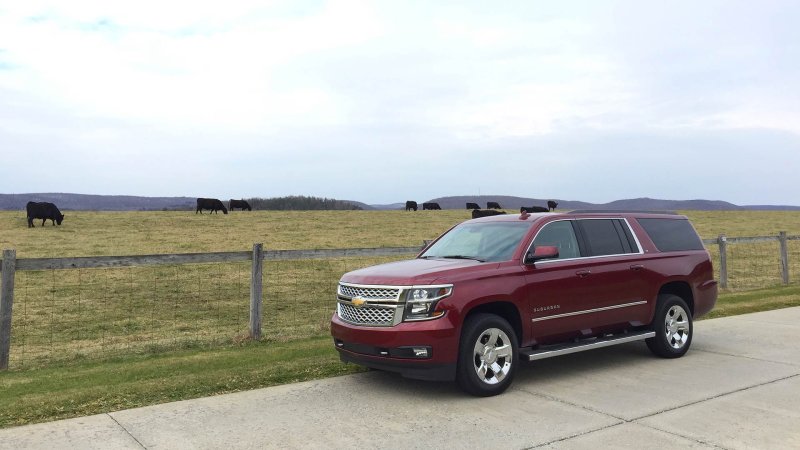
(548, 261)
(635, 238)
(589, 311)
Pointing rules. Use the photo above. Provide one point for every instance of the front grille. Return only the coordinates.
(367, 315)
(371, 293)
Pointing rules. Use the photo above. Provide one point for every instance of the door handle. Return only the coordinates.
(637, 266)
(583, 273)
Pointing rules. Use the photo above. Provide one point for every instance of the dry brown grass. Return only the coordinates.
(711, 224)
(95, 313)
(86, 233)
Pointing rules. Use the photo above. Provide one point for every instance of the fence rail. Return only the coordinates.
(722, 242)
(10, 265)
(121, 300)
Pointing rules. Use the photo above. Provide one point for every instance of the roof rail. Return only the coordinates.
(621, 211)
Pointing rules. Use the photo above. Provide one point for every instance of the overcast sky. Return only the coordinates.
(386, 101)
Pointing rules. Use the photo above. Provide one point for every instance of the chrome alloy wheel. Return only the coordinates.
(676, 322)
(492, 356)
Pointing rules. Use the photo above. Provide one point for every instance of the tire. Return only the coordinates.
(488, 355)
(673, 326)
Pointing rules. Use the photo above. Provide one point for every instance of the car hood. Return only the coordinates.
(409, 273)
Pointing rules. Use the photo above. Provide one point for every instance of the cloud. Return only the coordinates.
(575, 100)
(230, 76)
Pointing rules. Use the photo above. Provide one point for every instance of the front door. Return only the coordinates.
(557, 289)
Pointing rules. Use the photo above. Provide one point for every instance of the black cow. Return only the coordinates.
(533, 209)
(411, 204)
(472, 206)
(493, 205)
(551, 205)
(211, 204)
(485, 213)
(241, 204)
(431, 205)
(44, 211)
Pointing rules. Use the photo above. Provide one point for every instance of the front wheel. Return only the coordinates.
(487, 356)
(673, 326)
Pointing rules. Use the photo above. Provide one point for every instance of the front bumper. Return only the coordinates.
(398, 348)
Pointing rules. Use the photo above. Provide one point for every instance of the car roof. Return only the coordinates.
(619, 214)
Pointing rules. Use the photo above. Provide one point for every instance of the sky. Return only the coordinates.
(387, 101)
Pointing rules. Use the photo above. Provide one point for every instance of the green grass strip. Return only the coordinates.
(92, 387)
(30, 396)
(735, 303)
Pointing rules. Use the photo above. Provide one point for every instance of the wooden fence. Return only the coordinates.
(10, 265)
(722, 241)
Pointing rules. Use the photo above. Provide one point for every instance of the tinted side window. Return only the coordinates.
(561, 235)
(602, 236)
(672, 235)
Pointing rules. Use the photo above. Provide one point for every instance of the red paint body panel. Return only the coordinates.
(554, 300)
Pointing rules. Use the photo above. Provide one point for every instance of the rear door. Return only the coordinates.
(618, 272)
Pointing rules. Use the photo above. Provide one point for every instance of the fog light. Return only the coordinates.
(420, 352)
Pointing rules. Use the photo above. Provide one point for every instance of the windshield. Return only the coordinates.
(487, 241)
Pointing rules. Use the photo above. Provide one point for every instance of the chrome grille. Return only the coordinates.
(372, 293)
(366, 315)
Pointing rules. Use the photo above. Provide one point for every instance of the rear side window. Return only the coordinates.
(606, 237)
(672, 235)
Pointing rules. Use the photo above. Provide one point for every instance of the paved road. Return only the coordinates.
(738, 387)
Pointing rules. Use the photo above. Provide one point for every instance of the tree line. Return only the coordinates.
(302, 203)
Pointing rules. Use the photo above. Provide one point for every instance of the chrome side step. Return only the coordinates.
(565, 349)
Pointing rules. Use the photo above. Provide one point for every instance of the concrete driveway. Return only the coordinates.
(738, 387)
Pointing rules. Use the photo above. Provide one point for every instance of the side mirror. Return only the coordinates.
(541, 252)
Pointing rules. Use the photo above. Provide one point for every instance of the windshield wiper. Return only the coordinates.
(462, 257)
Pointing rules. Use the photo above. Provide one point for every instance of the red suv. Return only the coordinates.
(495, 290)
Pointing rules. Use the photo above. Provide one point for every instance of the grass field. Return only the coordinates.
(67, 315)
(93, 340)
(140, 233)
(86, 233)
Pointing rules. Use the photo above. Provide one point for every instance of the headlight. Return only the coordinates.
(421, 301)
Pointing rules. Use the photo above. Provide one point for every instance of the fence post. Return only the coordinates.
(7, 271)
(722, 240)
(784, 257)
(255, 291)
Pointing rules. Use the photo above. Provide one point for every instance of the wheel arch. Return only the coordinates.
(506, 310)
(682, 289)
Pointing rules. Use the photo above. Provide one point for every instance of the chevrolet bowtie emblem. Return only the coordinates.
(358, 302)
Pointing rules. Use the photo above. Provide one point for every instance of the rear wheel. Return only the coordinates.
(487, 357)
(673, 326)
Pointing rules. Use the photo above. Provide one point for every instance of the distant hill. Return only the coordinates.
(514, 203)
(84, 202)
(507, 202)
(137, 203)
(387, 207)
(656, 204)
(362, 205)
(98, 202)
